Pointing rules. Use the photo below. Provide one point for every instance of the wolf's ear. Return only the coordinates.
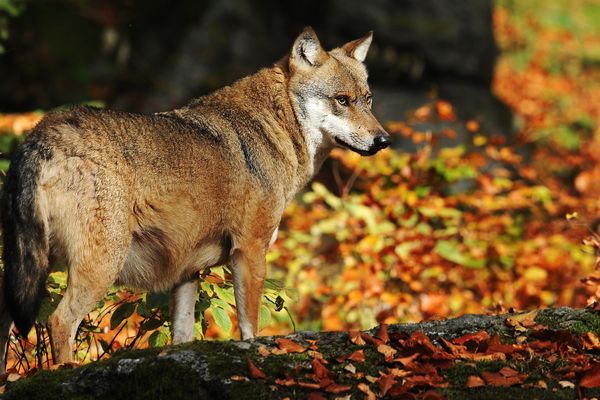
(307, 51)
(358, 48)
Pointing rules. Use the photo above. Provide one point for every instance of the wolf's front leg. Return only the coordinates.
(249, 270)
(183, 302)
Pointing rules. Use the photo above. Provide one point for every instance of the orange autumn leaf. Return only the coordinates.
(358, 355)
(289, 345)
(591, 378)
(472, 126)
(356, 338)
(319, 369)
(445, 110)
(503, 379)
(474, 381)
(316, 396)
(387, 351)
(285, 382)
(363, 387)
(385, 383)
(337, 388)
(382, 333)
(309, 385)
(254, 371)
(262, 350)
(370, 339)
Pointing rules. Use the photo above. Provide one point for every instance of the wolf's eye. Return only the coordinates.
(369, 100)
(343, 100)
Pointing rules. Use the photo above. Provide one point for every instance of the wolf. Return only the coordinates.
(147, 201)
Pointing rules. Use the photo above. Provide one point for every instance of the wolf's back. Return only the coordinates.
(25, 234)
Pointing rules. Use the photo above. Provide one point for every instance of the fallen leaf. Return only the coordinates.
(316, 396)
(309, 385)
(474, 381)
(312, 344)
(399, 372)
(363, 387)
(238, 378)
(262, 350)
(498, 379)
(289, 345)
(566, 384)
(385, 383)
(350, 368)
(13, 377)
(519, 319)
(419, 342)
(382, 333)
(370, 339)
(358, 355)
(590, 341)
(285, 382)
(472, 340)
(255, 372)
(591, 378)
(387, 351)
(319, 369)
(508, 372)
(347, 397)
(483, 357)
(432, 395)
(406, 361)
(356, 338)
(336, 388)
(540, 384)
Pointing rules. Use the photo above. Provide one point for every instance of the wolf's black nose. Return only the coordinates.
(382, 141)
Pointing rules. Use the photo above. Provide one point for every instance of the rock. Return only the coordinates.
(219, 370)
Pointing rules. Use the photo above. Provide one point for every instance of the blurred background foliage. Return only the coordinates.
(494, 112)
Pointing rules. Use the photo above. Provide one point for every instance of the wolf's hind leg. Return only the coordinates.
(87, 283)
(96, 245)
(183, 301)
(5, 328)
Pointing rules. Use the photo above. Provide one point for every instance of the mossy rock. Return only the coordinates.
(219, 370)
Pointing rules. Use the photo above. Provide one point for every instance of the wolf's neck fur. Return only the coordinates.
(266, 95)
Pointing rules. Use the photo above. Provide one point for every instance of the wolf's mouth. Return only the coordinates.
(369, 152)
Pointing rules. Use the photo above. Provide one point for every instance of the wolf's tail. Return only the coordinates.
(25, 235)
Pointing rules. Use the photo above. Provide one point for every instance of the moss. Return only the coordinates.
(577, 321)
(514, 393)
(47, 382)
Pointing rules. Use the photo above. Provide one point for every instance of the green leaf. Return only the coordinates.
(218, 271)
(46, 309)
(158, 300)
(264, 316)
(449, 249)
(220, 303)
(221, 318)
(225, 294)
(158, 339)
(151, 324)
(122, 312)
(207, 288)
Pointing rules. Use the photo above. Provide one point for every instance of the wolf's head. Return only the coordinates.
(331, 96)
